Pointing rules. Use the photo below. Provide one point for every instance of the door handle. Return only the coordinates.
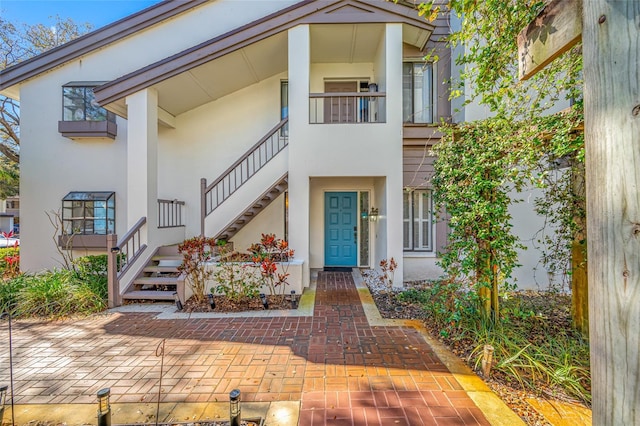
(355, 234)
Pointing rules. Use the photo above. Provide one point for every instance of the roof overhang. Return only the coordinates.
(256, 51)
(58, 56)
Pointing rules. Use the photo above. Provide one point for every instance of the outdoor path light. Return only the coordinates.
(234, 408)
(104, 409)
(178, 302)
(263, 299)
(212, 302)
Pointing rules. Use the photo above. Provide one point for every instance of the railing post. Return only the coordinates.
(113, 287)
(203, 204)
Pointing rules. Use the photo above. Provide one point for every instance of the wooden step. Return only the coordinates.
(159, 257)
(156, 281)
(149, 295)
(160, 269)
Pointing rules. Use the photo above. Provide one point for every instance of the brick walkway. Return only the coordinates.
(342, 370)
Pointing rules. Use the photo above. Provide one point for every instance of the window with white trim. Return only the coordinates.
(417, 208)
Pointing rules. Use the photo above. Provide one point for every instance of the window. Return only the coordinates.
(89, 213)
(417, 92)
(79, 104)
(418, 220)
(82, 117)
(284, 106)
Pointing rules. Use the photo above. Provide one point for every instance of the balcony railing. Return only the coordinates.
(336, 108)
(170, 214)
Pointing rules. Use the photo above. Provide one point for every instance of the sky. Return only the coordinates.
(96, 12)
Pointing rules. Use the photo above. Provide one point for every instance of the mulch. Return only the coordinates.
(224, 304)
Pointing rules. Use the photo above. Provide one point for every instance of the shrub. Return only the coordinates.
(92, 272)
(10, 261)
(265, 254)
(533, 348)
(9, 293)
(235, 278)
(196, 252)
(58, 293)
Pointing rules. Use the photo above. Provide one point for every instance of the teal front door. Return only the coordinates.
(340, 229)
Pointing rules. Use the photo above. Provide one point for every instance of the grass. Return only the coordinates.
(57, 293)
(535, 347)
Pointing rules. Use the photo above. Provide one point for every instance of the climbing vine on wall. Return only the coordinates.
(482, 165)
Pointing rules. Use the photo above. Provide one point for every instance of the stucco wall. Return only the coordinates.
(207, 140)
(52, 165)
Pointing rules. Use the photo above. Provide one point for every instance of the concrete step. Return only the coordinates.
(149, 295)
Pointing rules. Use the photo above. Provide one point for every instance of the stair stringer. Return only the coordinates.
(247, 194)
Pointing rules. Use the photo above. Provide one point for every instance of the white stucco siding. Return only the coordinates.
(268, 221)
(207, 140)
(52, 165)
(346, 151)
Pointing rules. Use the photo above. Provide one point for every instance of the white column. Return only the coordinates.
(393, 64)
(142, 158)
(299, 73)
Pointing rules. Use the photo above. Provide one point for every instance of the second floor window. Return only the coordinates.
(417, 92)
(79, 104)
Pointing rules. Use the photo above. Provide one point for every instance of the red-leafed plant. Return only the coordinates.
(265, 256)
(11, 267)
(388, 270)
(196, 252)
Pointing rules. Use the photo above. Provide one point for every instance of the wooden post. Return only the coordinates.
(113, 286)
(611, 52)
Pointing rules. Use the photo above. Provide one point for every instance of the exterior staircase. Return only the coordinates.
(159, 279)
(254, 209)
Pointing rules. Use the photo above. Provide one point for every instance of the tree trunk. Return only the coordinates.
(495, 291)
(611, 49)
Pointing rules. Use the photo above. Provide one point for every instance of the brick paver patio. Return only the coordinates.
(344, 371)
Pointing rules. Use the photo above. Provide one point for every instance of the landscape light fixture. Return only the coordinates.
(263, 299)
(104, 409)
(373, 214)
(212, 302)
(178, 302)
(294, 300)
(234, 408)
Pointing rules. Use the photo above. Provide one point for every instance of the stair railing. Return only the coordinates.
(242, 170)
(121, 255)
(170, 213)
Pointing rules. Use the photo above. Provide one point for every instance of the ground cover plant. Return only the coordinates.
(537, 353)
(59, 292)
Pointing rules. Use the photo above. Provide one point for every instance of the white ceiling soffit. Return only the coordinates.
(224, 75)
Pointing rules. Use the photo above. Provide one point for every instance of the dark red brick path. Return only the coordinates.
(344, 371)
